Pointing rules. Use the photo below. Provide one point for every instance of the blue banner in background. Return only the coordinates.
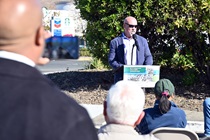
(59, 47)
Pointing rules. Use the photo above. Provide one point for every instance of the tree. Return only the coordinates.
(168, 25)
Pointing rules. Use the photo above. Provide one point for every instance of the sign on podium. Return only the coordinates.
(145, 75)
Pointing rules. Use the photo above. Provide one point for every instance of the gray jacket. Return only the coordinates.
(121, 132)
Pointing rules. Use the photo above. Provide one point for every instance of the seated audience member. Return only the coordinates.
(206, 113)
(32, 107)
(164, 113)
(123, 110)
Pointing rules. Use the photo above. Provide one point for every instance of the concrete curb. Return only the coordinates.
(84, 58)
(196, 126)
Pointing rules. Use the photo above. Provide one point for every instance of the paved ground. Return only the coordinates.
(64, 65)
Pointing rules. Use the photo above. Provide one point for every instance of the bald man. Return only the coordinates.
(31, 106)
(128, 49)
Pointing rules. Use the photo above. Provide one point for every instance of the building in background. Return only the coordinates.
(66, 26)
(64, 20)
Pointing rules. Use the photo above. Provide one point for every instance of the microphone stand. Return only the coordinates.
(132, 54)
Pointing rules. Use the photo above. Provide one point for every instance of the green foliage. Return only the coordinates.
(96, 64)
(166, 24)
(47, 28)
(190, 77)
(182, 61)
(84, 52)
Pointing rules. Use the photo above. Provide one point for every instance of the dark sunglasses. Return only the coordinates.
(131, 26)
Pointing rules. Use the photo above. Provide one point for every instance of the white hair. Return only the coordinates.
(125, 102)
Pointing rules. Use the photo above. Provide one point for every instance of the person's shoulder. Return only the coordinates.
(45, 88)
(116, 41)
(148, 110)
(116, 38)
(177, 110)
(175, 107)
(61, 103)
(141, 38)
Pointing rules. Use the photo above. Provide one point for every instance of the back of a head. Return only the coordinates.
(20, 20)
(164, 89)
(125, 102)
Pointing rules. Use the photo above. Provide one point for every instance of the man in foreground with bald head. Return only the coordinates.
(31, 106)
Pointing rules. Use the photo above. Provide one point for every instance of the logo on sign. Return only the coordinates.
(57, 23)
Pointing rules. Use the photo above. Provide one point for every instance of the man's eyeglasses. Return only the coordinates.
(131, 26)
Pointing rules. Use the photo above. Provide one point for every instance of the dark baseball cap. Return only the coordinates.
(164, 85)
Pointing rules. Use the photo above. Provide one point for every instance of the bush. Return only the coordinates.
(96, 64)
(190, 77)
(84, 52)
(184, 61)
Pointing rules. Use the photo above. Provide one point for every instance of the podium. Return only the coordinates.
(145, 75)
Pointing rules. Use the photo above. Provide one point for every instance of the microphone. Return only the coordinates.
(136, 42)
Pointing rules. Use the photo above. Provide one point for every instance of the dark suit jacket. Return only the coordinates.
(116, 55)
(33, 108)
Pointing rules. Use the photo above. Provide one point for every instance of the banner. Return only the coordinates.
(145, 75)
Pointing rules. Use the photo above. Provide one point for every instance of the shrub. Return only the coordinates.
(84, 52)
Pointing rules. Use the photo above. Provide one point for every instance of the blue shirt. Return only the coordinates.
(153, 118)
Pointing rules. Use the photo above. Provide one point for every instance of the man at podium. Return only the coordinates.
(128, 49)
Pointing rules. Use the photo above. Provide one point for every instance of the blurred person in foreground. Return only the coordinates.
(128, 49)
(206, 114)
(164, 113)
(31, 106)
(123, 110)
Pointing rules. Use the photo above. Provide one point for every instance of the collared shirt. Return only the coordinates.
(121, 132)
(16, 57)
(153, 118)
(129, 50)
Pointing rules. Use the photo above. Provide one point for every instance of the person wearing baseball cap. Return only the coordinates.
(165, 112)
